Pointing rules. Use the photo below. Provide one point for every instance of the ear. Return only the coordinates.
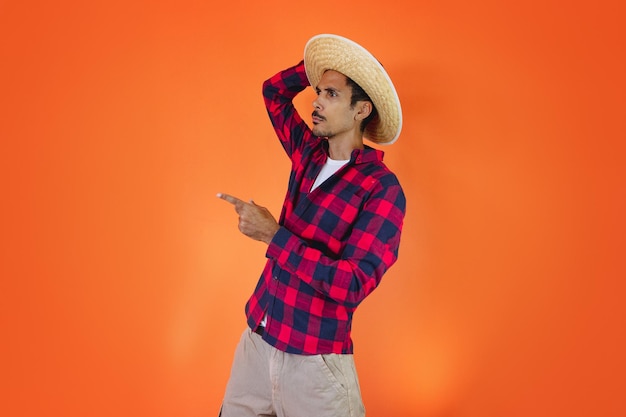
(364, 108)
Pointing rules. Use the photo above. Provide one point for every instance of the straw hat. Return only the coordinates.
(333, 52)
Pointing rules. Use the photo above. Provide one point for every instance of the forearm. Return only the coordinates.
(347, 280)
(357, 262)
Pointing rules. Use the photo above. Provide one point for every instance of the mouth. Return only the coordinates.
(317, 118)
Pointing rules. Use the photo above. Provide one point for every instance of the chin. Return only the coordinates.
(320, 134)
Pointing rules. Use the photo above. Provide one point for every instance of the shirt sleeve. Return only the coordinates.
(369, 252)
(278, 94)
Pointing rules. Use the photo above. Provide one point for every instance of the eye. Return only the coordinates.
(332, 93)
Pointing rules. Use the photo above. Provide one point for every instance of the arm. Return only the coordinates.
(278, 94)
(255, 221)
(370, 250)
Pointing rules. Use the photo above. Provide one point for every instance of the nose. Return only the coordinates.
(316, 104)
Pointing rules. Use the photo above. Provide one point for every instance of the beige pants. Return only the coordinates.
(265, 381)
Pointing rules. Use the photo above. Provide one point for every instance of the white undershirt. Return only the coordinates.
(330, 167)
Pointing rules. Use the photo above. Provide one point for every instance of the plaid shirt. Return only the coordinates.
(334, 243)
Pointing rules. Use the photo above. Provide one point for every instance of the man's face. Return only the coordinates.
(333, 115)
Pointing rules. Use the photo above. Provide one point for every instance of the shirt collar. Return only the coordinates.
(359, 156)
(366, 155)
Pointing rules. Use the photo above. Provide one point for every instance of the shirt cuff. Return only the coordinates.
(278, 243)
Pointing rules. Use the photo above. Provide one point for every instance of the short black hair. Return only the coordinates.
(358, 94)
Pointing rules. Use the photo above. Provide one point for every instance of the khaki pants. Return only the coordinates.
(265, 381)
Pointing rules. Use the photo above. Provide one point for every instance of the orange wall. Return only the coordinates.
(123, 278)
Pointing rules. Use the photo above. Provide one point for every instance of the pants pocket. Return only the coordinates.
(331, 367)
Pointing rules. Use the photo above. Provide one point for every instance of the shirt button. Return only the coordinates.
(275, 277)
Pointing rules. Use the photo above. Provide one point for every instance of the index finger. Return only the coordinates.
(232, 200)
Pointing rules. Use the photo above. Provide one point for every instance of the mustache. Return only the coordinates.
(316, 114)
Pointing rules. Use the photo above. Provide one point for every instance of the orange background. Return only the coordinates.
(123, 278)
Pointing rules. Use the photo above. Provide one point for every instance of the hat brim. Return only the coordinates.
(332, 52)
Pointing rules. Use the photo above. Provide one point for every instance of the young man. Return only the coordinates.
(338, 233)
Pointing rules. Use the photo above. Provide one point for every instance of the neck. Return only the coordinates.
(340, 148)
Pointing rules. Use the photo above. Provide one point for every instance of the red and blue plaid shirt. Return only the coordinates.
(335, 242)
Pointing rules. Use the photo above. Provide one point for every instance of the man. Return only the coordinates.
(338, 233)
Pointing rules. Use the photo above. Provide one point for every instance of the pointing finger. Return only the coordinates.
(232, 200)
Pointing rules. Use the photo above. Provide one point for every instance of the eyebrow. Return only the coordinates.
(327, 89)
